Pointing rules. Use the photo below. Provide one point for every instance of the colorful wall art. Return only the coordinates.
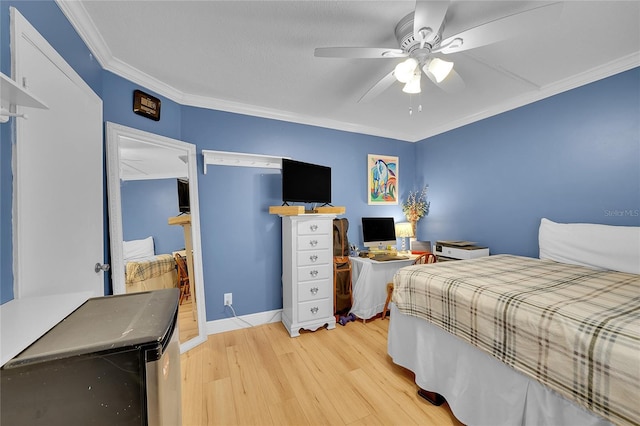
(382, 178)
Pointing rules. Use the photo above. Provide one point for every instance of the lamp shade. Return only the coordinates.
(405, 70)
(413, 85)
(438, 68)
(404, 230)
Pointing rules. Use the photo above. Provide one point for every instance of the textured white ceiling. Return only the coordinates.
(257, 57)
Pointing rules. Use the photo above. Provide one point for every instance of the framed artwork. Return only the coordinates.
(382, 179)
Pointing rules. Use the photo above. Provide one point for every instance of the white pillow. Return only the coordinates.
(597, 246)
(137, 249)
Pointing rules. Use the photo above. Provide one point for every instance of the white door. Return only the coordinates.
(58, 174)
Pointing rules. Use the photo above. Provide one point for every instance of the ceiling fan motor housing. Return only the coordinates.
(407, 40)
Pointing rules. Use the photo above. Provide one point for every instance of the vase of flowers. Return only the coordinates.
(416, 207)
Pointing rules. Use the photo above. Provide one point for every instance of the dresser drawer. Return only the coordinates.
(315, 227)
(313, 257)
(315, 242)
(314, 272)
(315, 309)
(313, 290)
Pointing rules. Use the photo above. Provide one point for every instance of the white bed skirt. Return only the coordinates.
(479, 389)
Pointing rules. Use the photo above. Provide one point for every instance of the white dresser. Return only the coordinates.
(307, 272)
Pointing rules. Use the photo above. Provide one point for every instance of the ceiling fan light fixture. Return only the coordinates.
(438, 68)
(413, 85)
(405, 70)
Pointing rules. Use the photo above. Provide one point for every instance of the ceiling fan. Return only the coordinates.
(420, 37)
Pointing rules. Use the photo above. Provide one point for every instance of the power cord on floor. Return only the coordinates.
(247, 322)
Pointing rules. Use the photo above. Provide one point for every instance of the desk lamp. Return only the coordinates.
(404, 230)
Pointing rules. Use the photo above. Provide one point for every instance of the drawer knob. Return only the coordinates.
(313, 257)
(313, 243)
(314, 272)
(313, 227)
(314, 310)
(314, 290)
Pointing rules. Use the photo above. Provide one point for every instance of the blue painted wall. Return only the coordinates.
(241, 241)
(146, 207)
(574, 157)
(117, 101)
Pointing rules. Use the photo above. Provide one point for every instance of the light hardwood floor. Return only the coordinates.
(261, 376)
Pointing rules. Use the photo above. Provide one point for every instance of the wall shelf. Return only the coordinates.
(12, 94)
(240, 159)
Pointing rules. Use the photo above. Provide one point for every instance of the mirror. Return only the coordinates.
(145, 174)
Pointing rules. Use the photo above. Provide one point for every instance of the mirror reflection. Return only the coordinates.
(153, 198)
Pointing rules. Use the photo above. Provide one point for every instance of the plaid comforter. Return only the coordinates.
(155, 266)
(574, 329)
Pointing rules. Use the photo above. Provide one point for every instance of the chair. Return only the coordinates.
(183, 277)
(424, 258)
(342, 293)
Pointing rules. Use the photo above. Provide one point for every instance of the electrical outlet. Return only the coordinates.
(228, 299)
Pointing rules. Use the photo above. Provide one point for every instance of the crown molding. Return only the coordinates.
(86, 29)
(275, 114)
(84, 25)
(81, 21)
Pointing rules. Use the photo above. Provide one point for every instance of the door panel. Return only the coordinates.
(58, 175)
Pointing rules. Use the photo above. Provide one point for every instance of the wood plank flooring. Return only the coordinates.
(261, 376)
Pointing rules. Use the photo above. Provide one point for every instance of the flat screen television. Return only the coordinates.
(305, 182)
(378, 232)
(183, 196)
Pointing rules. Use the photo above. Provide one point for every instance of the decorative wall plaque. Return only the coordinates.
(146, 105)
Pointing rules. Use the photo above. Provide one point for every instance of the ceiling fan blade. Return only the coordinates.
(453, 83)
(383, 84)
(500, 29)
(358, 52)
(428, 15)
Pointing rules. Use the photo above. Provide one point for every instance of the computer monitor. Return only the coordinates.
(378, 232)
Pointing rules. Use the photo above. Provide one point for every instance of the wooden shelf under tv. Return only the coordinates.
(298, 210)
(184, 219)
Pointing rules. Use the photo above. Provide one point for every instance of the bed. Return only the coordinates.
(514, 340)
(145, 270)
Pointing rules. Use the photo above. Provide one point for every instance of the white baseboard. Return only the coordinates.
(244, 321)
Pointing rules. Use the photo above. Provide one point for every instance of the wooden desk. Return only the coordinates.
(370, 278)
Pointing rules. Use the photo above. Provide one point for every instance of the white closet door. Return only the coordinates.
(58, 175)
